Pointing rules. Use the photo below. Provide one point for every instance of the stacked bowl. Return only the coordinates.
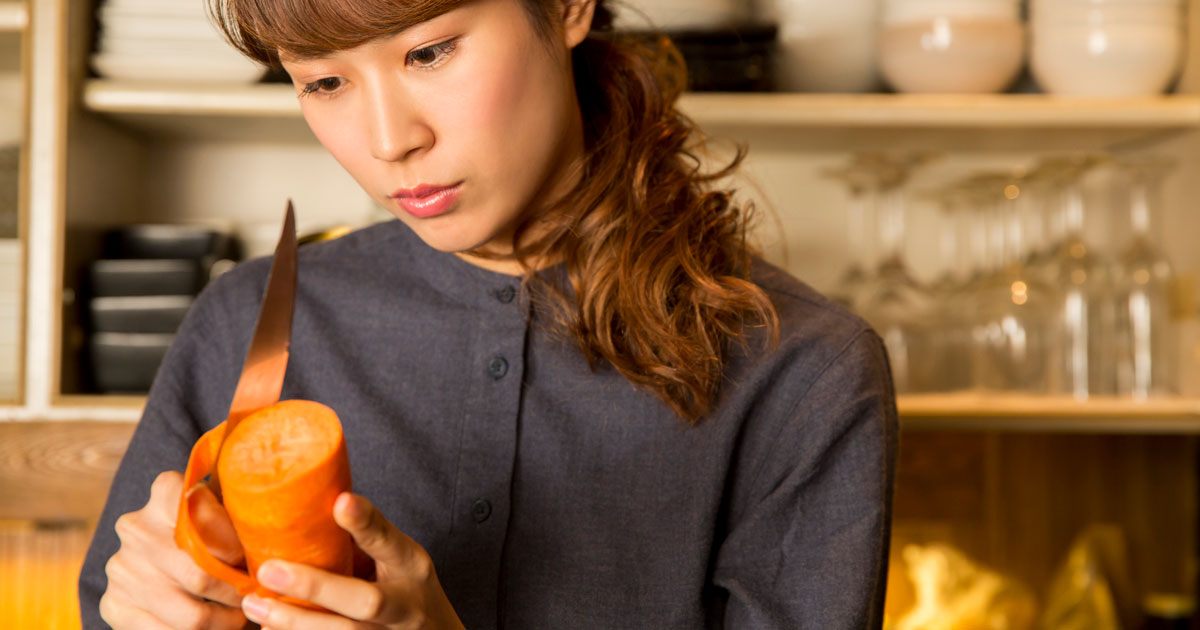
(677, 15)
(825, 45)
(960, 46)
(166, 40)
(1106, 48)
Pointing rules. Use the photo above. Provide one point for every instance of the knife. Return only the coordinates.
(261, 381)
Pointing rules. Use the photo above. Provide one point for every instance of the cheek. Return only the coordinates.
(506, 110)
(346, 143)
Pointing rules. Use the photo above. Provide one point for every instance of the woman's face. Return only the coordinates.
(460, 125)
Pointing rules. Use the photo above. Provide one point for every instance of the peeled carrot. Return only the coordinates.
(281, 470)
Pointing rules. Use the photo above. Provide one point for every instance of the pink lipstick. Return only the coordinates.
(425, 201)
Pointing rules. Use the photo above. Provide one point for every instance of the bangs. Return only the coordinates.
(307, 29)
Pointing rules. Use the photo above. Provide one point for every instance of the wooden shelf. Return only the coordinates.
(966, 411)
(801, 121)
(971, 411)
(14, 17)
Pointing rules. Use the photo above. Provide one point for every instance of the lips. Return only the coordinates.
(427, 201)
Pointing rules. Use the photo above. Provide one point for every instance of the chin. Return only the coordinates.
(450, 241)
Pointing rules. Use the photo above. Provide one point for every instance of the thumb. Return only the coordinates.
(373, 533)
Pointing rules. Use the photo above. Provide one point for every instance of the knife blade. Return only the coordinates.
(261, 381)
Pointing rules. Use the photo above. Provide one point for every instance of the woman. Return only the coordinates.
(571, 397)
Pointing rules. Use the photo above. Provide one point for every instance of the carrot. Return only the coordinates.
(281, 470)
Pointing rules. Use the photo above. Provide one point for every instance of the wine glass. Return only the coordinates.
(895, 304)
(1084, 278)
(854, 279)
(1013, 316)
(952, 288)
(1144, 344)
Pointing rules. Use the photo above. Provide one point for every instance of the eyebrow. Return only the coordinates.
(301, 57)
(289, 57)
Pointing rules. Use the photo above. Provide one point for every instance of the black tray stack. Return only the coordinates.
(138, 294)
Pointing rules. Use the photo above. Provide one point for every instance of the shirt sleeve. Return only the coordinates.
(192, 385)
(809, 548)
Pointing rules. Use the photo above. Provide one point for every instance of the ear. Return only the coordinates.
(577, 20)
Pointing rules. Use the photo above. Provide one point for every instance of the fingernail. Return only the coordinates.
(256, 608)
(348, 506)
(274, 576)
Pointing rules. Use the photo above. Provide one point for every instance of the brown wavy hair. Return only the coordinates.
(655, 253)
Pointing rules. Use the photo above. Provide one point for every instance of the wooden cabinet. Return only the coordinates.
(1009, 479)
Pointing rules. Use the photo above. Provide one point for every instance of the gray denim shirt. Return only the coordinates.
(550, 494)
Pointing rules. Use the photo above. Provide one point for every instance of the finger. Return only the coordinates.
(180, 604)
(150, 560)
(379, 538)
(164, 496)
(119, 613)
(351, 597)
(273, 614)
(216, 529)
(159, 548)
(183, 569)
(182, 611)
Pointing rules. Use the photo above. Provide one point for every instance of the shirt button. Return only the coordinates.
(498, 368)
(481, 509)
(506, 295)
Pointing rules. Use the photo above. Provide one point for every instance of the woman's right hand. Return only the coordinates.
(152, 584)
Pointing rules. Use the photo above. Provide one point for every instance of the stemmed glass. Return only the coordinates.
(1145, 347)
(855, 278)
(1084, 278)
(1013, 315)
(895, 304)
(952, 289)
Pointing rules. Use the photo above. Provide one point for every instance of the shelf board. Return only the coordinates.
(14, 17)
(973, 411)
(965, 411)
(807, 121)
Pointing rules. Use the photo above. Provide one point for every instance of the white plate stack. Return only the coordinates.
(167, 40)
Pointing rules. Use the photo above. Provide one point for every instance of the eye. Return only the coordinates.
(431, 56)
(322, 87)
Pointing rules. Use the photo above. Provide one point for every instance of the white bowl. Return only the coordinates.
(1116, 14)
(1036, 4)
(834, 61)
(820, 15)
(912, 11)
(1110, 61)
(177, 69)
(952, 56)
(825, 46)
(674, 15)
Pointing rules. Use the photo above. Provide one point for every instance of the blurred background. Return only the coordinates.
(1005, 189)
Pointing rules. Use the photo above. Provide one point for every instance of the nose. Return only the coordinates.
(398, 127)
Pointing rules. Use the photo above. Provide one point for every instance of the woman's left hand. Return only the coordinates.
(405, 593)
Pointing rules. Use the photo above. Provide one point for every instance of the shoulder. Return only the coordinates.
(825, 386)
(814, 331)
(827, 364)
